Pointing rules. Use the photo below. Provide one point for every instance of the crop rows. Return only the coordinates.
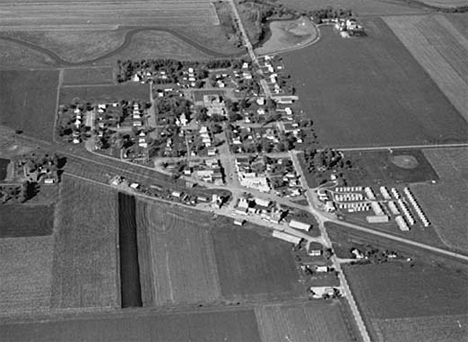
(439, 53)
(25, 273)
(182, 258)
(97, 13)
(85, 257)
(301, 323)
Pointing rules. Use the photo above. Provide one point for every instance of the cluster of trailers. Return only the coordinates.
(384, 206)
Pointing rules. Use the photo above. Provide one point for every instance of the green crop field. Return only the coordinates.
(252, 266)
(403, 290)
(28, 101)
(105, 93)
(26, 274)
(312, 322)
(370, 91)
(20, 220)
(445, 202)
(441, 49)
(214, 326)
(182, 268)
(85, 257)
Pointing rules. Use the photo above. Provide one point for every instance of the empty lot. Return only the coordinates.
(105, 93)
(441, 49)
(370, 91)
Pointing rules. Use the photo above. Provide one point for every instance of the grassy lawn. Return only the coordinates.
(105, 93)
(252, 266)
(85, 256)
(371, 92)
(405, 290)
(28, 101)
(21, 220)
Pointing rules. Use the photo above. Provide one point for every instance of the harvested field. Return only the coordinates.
(397, 291)
(85, 257)
(441, 50)
(21, 220)
(252, 266)
(182, 265)
(359, 7)
(25, 273)
(444, 3)
(312, 322)
(86, 76)
(235, 326)
(105, 93)
(104, 15)
(129, 271)
(350, 82)
(428, 329)
(445, 202)
(460, 21)
(28, 101)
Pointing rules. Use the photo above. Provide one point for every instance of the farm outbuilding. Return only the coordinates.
(286, 237)
(299, 225)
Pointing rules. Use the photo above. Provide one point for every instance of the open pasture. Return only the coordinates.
(359, 7)
(370, 91)
(441, 50)
(20, 220)
(25, 273)
(254, 267)
(96, 15)
(445, 202)
(182, 266)
(428, 329)
(388, 168)
(105, 93)
(86, 76)
(28, 101)
(214, 326)
(311, 322)
(397, 291)
(85, 257)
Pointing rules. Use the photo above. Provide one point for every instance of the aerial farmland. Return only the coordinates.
(230, 170)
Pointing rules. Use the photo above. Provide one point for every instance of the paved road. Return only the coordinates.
(346, 290)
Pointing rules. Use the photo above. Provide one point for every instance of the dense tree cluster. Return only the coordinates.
(329, 13)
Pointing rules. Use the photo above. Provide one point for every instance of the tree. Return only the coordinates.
(201, 114)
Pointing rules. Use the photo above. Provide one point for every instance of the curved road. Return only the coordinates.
(126, 43)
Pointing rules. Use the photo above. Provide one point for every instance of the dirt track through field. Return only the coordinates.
(126, 43)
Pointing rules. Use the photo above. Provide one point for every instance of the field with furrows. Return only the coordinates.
(25, 274)
(313, 322)
(441, 49)
(96, 15)
(85, 257)
(182, 258)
